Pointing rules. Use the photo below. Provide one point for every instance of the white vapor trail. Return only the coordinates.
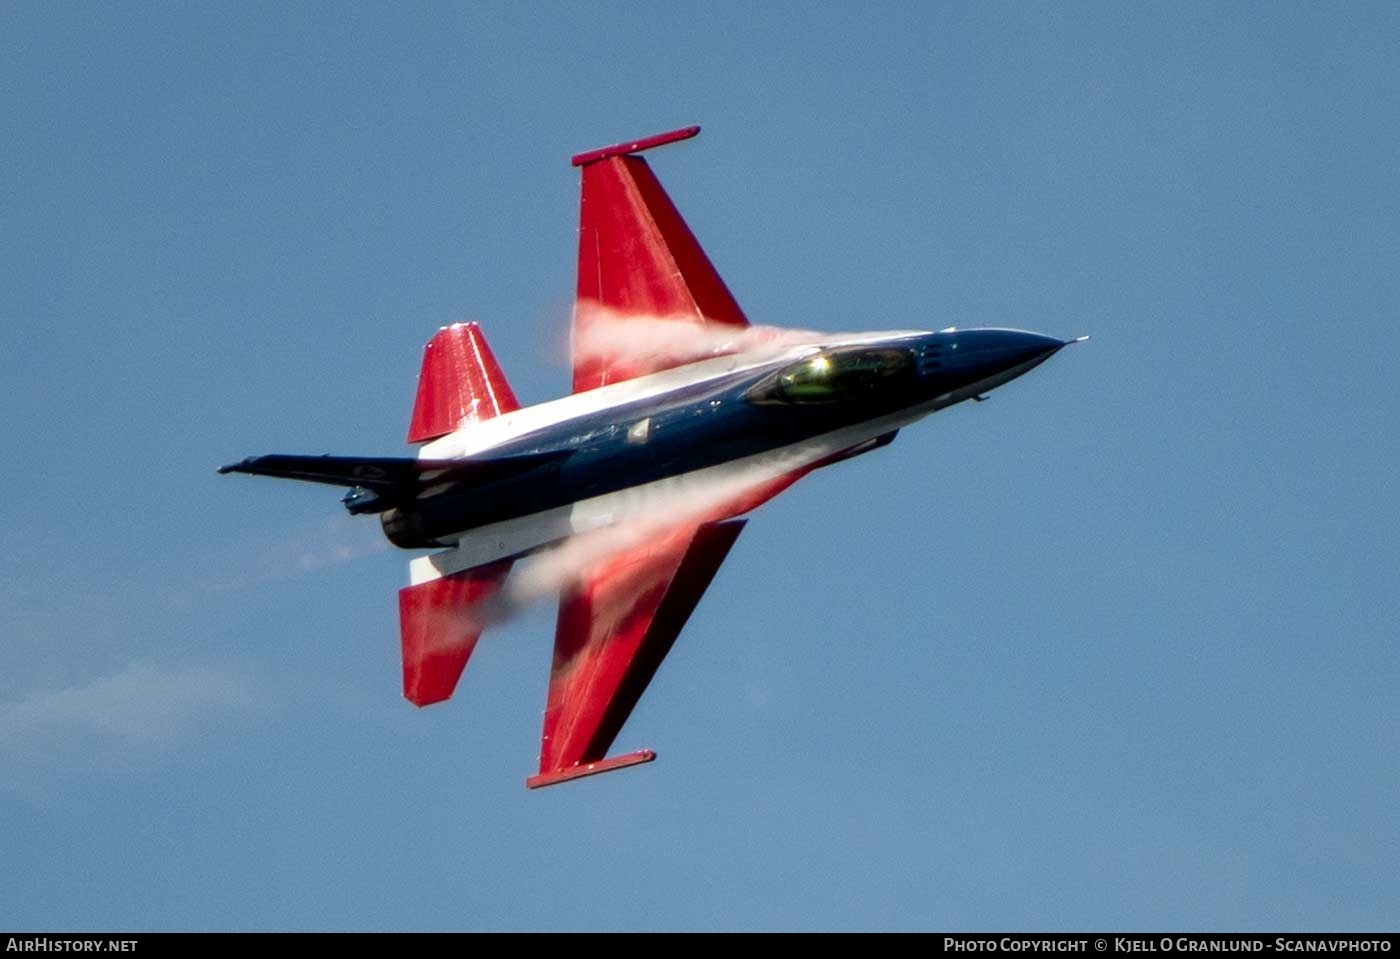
(604, 335)
(128, 718)
(661, 527)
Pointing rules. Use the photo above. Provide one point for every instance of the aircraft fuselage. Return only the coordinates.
(596, 457)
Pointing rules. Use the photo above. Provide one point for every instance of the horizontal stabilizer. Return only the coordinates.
(439, 624)
(460, 383)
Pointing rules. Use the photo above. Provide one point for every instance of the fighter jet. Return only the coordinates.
(683, 419)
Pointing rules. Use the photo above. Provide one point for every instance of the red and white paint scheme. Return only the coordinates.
(637, 258)
(625, 497)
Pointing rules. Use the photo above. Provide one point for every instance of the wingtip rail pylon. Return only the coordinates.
(634, 146)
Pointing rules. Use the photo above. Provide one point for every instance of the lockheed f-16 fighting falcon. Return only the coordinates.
(627, 494)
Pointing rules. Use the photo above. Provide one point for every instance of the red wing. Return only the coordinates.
(638, 263)
(614, 629)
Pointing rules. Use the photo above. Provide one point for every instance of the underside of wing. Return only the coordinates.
(615, 626)
(645, 286)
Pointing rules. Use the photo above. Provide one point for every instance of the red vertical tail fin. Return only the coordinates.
(461, 382)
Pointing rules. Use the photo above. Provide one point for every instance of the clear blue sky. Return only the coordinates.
(1117, 649)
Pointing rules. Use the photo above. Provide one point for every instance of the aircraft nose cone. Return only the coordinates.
(1032, 345)
(985, 359)
(1005, 349)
